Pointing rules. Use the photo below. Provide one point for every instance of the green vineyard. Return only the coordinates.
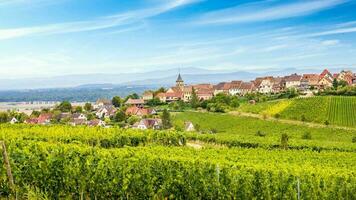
(231, 162)
(332, 110)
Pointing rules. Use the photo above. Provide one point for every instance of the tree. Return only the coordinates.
(88, 107)
(78, 109)
(342, 83)
(284, 141)
(166, 119)
(194, 100)
(335, 84)
(4, 117)
(120, 116)
(132, 96)
(160, 90)
(116, 101)
(35, 113)
(154, 102)
(65, 106)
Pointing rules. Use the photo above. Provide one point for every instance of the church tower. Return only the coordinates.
(180, 82)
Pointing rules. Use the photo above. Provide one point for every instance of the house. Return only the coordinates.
(78, 122)
(44, 118)
(106, 111)
(96, 122)
(148, 124)
(133, 110)
(266, 85)
(277, 84)
(31, 121)
(205, 94)
(65, 116)
(325, 79)
(292, 81)
(188, 126)
(344, 76)
(135, 102)
(13, 120)
(222, 87)
(79, 116)
(247, 87)
(101, 103)
(235, 87)
(147, 95)
(174, 94)
(161, 96)
(308, 81)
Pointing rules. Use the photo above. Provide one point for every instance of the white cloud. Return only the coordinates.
(334, 32)
(265, 12)
(330, 42)
(96, 24)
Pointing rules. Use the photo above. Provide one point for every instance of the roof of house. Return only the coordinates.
(135, 101)
(324, 73)
(44, 117)
(31, 121)
(77, 115)
(149, 123)
(95, 122)
(133, 110)
(235, 84)
(79, 121)
(161, 94)
(247, 86)
(292, 78)
(104, 101)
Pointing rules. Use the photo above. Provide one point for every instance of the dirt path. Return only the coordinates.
(288, 121)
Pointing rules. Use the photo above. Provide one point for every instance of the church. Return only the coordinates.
(184, 92)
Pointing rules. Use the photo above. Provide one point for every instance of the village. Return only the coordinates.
(142, 112)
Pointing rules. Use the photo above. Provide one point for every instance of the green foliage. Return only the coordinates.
(166, 120)
(194, 101)
(260, 134)
(120, 116)
(78, 109)
(117, 101)
(71, 171)
(132, 120)
(4, 117)
(65, 106)
(336, 110)
(307, 136)
(237, 131)
(88, 107)
(284, 141)
(335, 84)
(154, 102)
(35, 113)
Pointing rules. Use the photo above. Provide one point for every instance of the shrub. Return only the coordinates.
(327, 122)
(277, 115)
(284, 141)
(307, 136)
(260, 134)
(354, 139)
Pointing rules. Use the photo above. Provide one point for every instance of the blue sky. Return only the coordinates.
(49, 38)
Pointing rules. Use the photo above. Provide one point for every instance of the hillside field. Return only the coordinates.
(63, 162)
(332, 110)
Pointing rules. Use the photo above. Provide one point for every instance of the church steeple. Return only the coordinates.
(180, 82)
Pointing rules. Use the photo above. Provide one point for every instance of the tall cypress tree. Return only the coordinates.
(166, 119)
(194, 100)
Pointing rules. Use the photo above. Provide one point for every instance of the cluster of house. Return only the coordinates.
(269, 84)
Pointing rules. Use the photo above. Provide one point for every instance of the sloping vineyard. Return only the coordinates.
(333, 110)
